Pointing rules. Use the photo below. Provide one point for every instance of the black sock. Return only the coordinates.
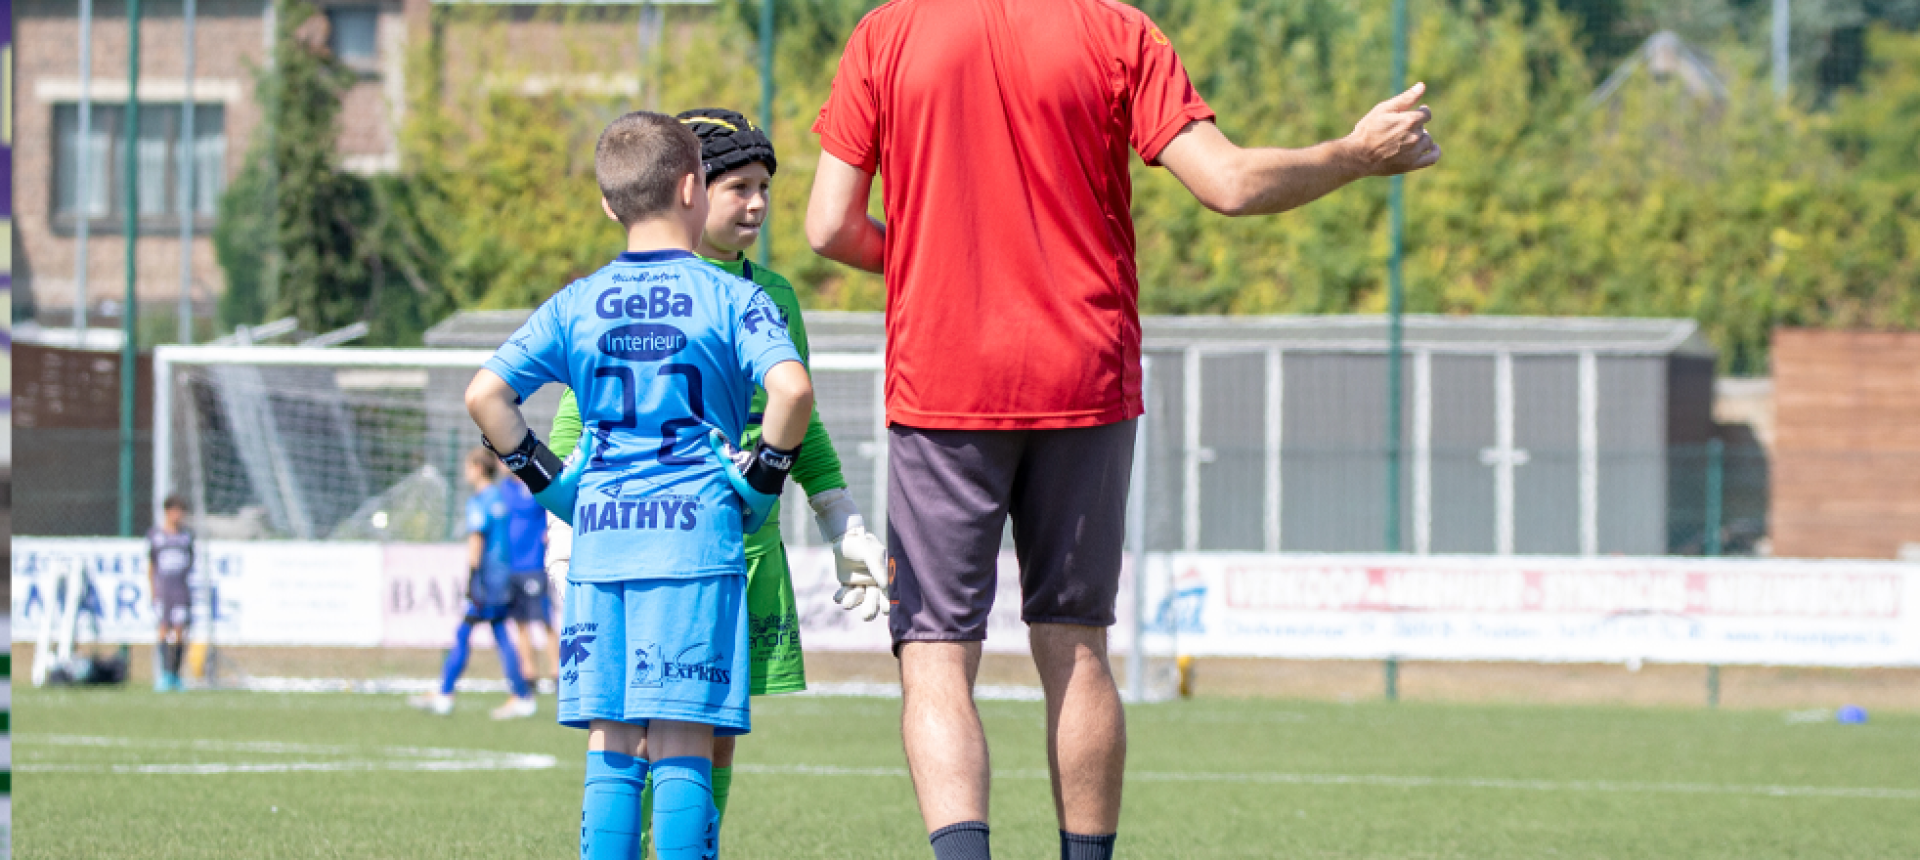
(174, 650)
(964, 841)
(1074, 846)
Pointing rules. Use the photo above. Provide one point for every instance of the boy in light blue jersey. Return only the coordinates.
(662, 352)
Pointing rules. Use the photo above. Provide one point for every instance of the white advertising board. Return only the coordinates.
(1523, 608)
(245, 592)
(1542, 609)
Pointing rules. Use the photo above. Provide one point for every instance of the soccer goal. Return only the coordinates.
(292, 443)
(365, 444)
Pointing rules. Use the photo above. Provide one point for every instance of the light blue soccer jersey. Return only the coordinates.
(658, 347)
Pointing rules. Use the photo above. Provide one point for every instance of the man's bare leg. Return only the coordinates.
(1086, 727)
(946, 747)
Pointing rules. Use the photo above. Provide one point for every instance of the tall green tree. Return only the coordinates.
(298, 236)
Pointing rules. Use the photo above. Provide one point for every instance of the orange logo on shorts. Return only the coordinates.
(1157, 36)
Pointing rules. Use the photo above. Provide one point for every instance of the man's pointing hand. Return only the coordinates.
(1392, 138)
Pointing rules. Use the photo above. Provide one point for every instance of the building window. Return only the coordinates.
(353, 36)
(162, 153)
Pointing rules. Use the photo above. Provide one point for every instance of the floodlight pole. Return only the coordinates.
(129, 349)
(763, 248)
(187, 186)
(1396, 296)
(83, 168)
(1782, 33)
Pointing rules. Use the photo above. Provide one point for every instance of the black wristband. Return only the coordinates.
(767, 470)
(531, 461)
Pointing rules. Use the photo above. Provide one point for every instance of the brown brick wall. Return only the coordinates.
(1846, 461)
(231, 44)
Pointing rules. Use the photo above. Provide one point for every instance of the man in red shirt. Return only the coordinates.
(1013, 341)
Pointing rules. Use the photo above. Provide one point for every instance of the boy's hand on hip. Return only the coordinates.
(756, 476)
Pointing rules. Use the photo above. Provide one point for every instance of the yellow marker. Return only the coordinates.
(197, 659)
(1184, 663)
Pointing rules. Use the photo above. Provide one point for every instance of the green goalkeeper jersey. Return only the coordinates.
(818, 467)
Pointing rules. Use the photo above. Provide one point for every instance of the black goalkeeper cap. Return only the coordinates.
(728, 141)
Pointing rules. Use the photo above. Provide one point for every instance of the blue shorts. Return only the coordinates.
(666, 649)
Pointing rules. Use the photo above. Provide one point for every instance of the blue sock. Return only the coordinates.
(685, 823)
(610, 811)
(456, 659)
(509, 661)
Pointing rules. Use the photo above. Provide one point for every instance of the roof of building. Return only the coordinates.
(840, 331)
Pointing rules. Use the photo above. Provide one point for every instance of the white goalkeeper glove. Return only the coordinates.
(859, 558)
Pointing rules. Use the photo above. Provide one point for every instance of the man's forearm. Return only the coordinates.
(1277, 180)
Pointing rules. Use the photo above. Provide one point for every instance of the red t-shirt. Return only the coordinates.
(1000, 130)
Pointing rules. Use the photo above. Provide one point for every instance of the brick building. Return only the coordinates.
(232, 40)
(1846, 457)
(545, 42)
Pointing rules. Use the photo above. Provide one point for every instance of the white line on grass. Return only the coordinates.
(389, 758)
(1386, 781)
(388, 686)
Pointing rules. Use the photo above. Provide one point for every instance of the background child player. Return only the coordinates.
(663, 352)
(739, 164)
(169, 562)
(530, 604)
(498, 511)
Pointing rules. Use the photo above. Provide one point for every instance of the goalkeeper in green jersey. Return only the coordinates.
(739, 163)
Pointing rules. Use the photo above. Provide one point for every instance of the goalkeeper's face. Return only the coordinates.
(737, 208)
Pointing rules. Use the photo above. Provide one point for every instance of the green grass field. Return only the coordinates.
(253, 775)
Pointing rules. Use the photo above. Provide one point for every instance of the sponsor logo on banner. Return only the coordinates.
(1537, 608)
(118, 602)
(423, 593)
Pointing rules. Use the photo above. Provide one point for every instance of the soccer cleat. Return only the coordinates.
(544, 686)
(433, 703)
(516, 709)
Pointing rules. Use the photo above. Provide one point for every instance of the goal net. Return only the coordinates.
(366, 444)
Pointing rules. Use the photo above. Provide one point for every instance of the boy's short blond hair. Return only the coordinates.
(639, 162)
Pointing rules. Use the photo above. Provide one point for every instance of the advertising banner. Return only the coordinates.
(245, 592)
(1521, 608)
(297, 593)
(1543, 609)
(423, 595)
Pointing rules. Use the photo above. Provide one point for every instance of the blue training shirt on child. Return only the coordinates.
(490, 514)
(658, 348)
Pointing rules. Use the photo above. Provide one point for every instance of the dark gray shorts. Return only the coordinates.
(173, 602)
(949, 494)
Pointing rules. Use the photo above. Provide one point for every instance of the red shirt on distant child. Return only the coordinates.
(1000, 129)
